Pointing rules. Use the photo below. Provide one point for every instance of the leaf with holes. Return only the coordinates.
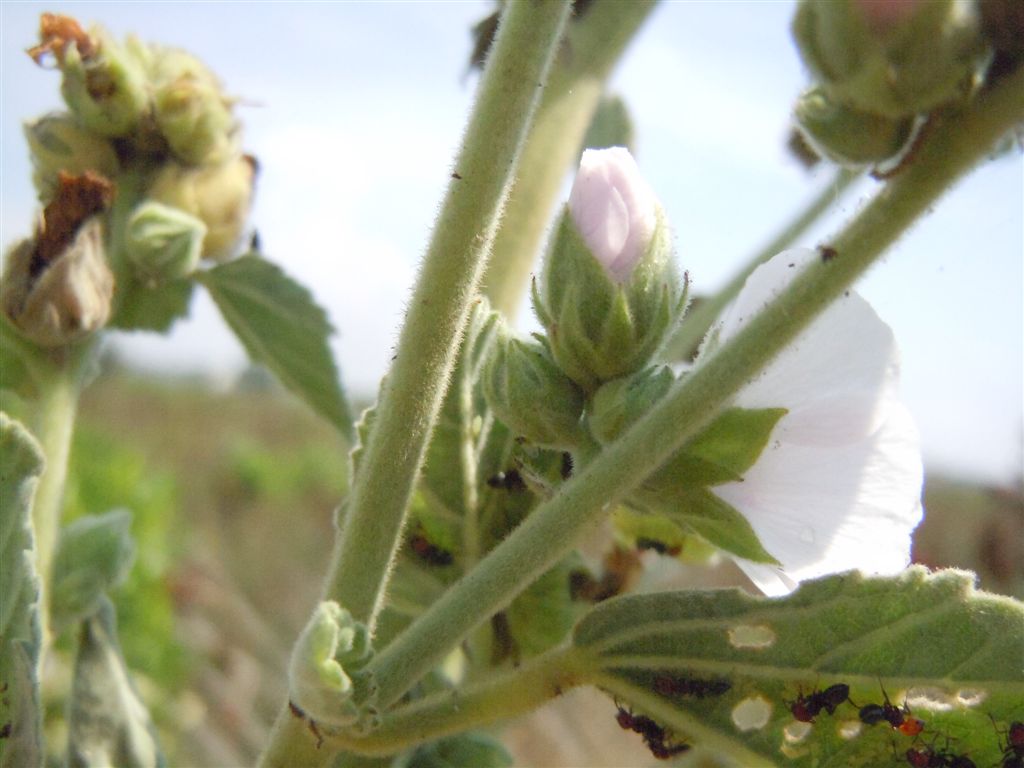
(281, 327)
(723, 669)
(21, 463)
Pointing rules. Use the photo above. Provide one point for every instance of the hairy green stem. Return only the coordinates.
(437, 314)
(689, 335)
(958, 141)
(499, 697)
(54, 426)
(428, 347)
(593, 43)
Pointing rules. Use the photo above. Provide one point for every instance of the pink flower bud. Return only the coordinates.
(614, 209)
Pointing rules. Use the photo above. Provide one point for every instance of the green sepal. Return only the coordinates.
(474, 748)
(620, 403)
(282, 327)
(599, 330)
(151, 307)
(531, 394)
(847, 135)
(929, 58)
(721, 453)
(326, 679)
(611, 126)
(94, 555)
(163, 242)
(107, 92)
(702, 512)
(107, 722)
(21, 464)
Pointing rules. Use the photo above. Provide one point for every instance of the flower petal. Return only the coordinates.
(839, 485)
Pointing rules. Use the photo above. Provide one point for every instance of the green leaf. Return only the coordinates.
(151, 307)
(474, 748)
(107, 722)
(281, 327)
(611, 126)
(21, 463)
(93, 556)
(951, 652)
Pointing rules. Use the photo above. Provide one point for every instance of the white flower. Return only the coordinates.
(838, 486)
(614, 209)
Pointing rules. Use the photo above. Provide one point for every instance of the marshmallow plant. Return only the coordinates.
(473, 577)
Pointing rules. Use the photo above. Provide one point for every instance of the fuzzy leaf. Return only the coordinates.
(107, 722)
(281, 327)
(952, 652)
(93, 556)
(21, 463)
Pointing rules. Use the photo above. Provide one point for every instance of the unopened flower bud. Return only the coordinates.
(621, 402)
(613, 209)
(609, 290)
(62, 300)
(529, 393)
(57, 142)
(190, 109)
(163, 243)
(895, 58)
(846, 135)
(218, 195)
(104, 85)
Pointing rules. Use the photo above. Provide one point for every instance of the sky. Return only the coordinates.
(355, 111)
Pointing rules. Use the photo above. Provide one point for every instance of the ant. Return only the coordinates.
(509, 481)
(1013, 750)
(429, 552)
(926, 757)
(899, 719)
(806, 708)
(667, 685)
(644, 543)
(653, 734)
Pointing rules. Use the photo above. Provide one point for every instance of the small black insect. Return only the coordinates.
(668, 685)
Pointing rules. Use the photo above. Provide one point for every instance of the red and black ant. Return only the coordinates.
(926, 757)
(653, 734)
(900, 719)
(667, 685)
(1013, 748)
(806, 708)
(429, 552)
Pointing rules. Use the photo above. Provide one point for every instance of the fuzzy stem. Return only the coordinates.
(449, 277)
(54, 426)
(437, 314)
(593, 44)
(494, 699)
(684, 342)
(959, 140)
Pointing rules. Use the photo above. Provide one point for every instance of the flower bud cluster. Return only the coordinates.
(880, 66)
(608, 296)
(151, 125)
